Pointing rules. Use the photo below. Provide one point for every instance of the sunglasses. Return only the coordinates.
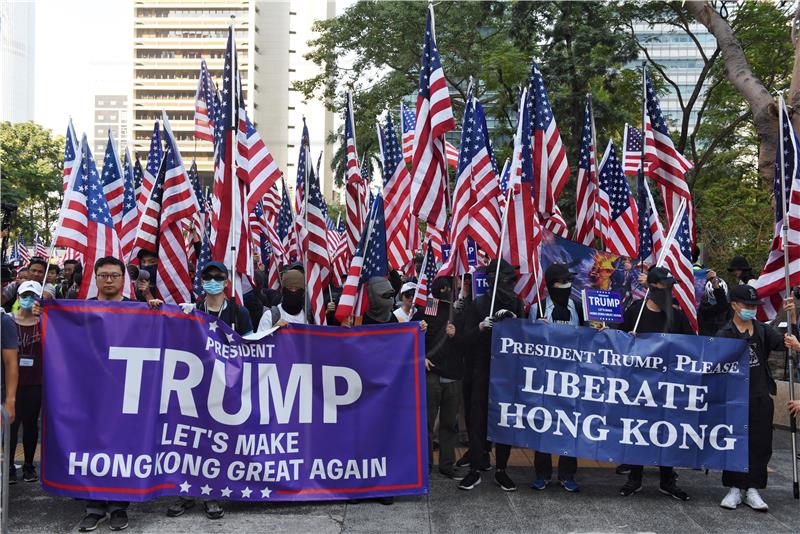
(216, 277)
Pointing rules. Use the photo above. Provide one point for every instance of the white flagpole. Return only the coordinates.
(667, 244)
(234, 192)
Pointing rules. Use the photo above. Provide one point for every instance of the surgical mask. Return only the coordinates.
(747, 315)
(213, 287)
(26, 303)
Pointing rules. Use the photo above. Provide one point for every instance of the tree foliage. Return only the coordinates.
(32, 170)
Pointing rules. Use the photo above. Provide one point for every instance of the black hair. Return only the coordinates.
(142, 253)
(109, 260)
(72, 262)
(56, 268)
(38, 260)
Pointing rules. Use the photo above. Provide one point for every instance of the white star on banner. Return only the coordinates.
(227, 492)
(246, 493)
(265, 493)
(185, 487)
(212, 326)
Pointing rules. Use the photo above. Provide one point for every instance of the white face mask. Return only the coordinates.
(562, 285)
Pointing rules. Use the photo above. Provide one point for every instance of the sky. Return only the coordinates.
(96, 57)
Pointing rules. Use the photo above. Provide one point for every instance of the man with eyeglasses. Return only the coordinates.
(109, 275)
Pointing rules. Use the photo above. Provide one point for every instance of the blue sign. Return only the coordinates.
(446, 247)
(602, 305)
(649, 399)
(479, 284)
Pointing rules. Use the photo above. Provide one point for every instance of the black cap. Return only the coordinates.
(660, 275)
(556, 272)
(739, 263)
(744, 293)
(505, 268)
(216, 265)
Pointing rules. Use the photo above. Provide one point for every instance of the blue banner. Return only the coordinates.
(649, 399)
(141, 403)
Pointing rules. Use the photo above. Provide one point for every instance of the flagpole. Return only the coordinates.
(595, 174)
(306, 174)
(503, 229)
(371, 216)
(641, 160)
(790, 316)
(667, 244)
(421, 270)
(234, 119)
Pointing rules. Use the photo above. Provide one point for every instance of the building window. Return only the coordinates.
(113, 103)
(100, 117)
(100, 103)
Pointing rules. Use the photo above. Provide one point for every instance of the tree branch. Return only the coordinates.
(729, 129)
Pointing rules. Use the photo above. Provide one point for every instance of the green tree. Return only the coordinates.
(32, 170)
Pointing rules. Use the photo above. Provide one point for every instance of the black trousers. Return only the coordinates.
(29, 404)
(759, 449)
(479, 397)
(543, 464)
(667, 473)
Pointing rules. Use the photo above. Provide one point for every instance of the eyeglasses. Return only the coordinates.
(217, 277)
(109, 276)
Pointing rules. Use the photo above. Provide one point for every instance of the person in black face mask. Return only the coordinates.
(292, 306)
(380, 294)
(559, 308)
(146, 288)
(478, 336)
(659, 315)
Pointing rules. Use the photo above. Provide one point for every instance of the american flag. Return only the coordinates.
(113, 182)
(632, 152)
(303, 166)
(355, 188)
(138, 177)
(550, 167)
(130, 213)
(272, 200)
(39, 247)
(408, 122)
(256, 167)
(229, 224)
(205, 106)
(369, 260)
(651, 232)
(337, 245)
(427, 274)
(678, 259)
(172, 204)
(13, 254)
(665, 164)
(199, 219)
(586, 220)
(429, 187)
(504, 176)
(23, 255)
(154, 158)
(85, 222)
(771, 284)
(202, 260)
(315, 240)
(396, 198)
(523, 226)
(258, 224)
(286, 229)
(70, 153)
(619, 217)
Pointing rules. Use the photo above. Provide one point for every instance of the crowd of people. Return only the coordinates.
(458, 337)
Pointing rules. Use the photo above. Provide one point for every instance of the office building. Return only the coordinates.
(110, 112)
(17, 33)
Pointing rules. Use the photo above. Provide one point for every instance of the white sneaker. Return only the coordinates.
(754, 500)
(732, 499)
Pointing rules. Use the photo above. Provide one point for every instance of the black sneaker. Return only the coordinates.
(180, 506)
(470, 481)
(90, 522)
(29, 473)
(671, 488)
(386, 501)
(12, 475)
(463, 461)
(623, 469)
(631, 486)
(502, 479)
(119, 520)
(452, 473)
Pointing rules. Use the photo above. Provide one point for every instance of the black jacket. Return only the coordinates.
(712, 317)
(479, 344)
(767, 339)
(446, 353)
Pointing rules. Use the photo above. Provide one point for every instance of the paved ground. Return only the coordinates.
(597, 508)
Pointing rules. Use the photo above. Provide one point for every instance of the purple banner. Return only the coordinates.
(142, 403)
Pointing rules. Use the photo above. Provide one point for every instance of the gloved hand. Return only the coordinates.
(187, 307)
(488, 322)
(459, 304)
(499, 315)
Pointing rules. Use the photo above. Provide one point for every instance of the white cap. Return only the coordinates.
(30, 285)
(408, 286)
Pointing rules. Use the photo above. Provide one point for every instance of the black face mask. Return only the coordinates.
(153, 270)
(560, 295)
(663, 297)
(293, 301)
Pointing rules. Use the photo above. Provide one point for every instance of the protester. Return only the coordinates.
(559, 308)
(109, 273)
(478, 335)
(761, 340)
(445, 369)
(657, 315)
(53, 272)
(380, 295)
(406, 309)
(146, 285)
(9, 344)
(35, 272)
(740, 268)
(713, 311)
(291, 308)
(29, 390)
